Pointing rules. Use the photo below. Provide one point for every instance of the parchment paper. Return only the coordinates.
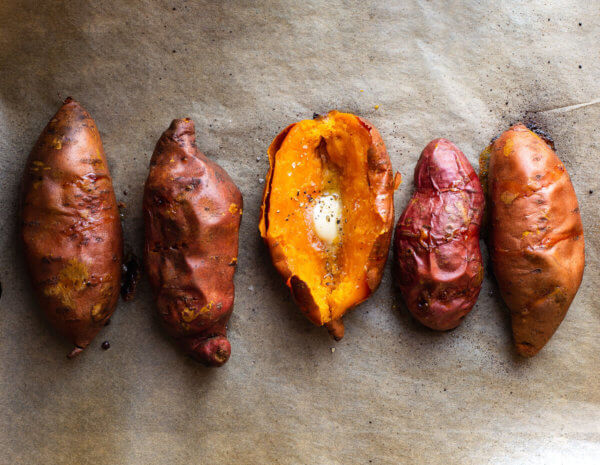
(392, 392)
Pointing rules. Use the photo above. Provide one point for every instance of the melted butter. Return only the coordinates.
(327, 216)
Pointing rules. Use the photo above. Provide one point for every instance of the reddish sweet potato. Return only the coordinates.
(192, 213)
(536, 235)
(438, 262)
(71, 229)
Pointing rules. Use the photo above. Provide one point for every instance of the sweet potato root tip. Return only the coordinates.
(213, 352)
(525, 349)
(75, 352)
(336, 329)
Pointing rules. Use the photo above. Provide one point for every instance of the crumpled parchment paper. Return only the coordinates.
(392, 392)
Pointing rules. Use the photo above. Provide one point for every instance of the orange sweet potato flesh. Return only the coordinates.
(192, 212)
(71, 230)
(306, 159)
(438, 264)
(536, 235)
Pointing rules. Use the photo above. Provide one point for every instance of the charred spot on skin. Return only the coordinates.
(422, 303)
(194, 183)
(542, 133)
(158, 200)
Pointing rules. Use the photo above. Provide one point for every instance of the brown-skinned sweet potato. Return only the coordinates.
(536, 236)
(327, 213)
(192, 214)
(71, 230)
(437, 259)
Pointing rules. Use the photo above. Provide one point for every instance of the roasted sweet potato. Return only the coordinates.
(536, 236)
(192, 213)
(71, 229)
(327, 213)
(437, 259)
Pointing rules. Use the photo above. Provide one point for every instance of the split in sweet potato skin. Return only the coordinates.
(71, 230)
(536, 235)
(339, 156)
(437, 259)
(192, 213)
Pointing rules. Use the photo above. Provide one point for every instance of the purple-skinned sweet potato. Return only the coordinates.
(192, 214)
(438, 264)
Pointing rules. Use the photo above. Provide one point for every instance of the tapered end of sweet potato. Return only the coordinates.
(336, 329)
(527, 350)
(212, 352)
(75, 352)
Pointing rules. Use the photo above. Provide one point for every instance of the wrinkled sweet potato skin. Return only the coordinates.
(437, 259)
(382, 184)
(536, 238)
(71, 230)
(192, 212)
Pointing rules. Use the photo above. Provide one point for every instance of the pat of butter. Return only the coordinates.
(327, 215)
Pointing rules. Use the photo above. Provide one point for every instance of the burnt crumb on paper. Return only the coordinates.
(132, 272)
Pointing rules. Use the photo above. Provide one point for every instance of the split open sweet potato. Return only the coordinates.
(71, 229)
(192, 213)
(536, 235)
(327, 213)
(437, 259)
